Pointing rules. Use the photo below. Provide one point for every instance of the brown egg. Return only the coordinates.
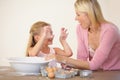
(51, 75)
(54, 69)
(48, 69)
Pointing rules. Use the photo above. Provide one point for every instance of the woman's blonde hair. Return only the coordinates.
(35, 30)
(92, 8)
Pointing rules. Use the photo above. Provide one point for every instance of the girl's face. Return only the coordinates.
(83, 19)
(50, 37)
(47, 34)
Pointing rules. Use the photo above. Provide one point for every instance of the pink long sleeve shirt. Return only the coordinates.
(107, 55)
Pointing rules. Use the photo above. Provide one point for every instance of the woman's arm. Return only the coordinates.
(79, 64)
(75, 63)
(66, 48)
(108, 38)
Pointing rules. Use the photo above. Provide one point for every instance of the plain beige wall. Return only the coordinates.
(17, 16)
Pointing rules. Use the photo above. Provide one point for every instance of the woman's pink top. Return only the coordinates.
(107, 55)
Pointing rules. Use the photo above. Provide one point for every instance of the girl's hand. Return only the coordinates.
(58, 58)
(49, 57)
(47, 32)
(63, 34)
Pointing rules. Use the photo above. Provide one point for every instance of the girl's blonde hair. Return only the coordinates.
(92, 8)
(35, 30)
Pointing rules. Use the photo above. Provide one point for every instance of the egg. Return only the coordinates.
(48, 69)
(54, 69)
(51, 75)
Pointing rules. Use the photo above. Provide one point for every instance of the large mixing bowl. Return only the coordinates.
(28, 65)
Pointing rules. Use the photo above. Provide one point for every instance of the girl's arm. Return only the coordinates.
(66, 48)
(33, 51)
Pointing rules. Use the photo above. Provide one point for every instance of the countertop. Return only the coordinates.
(7, 73)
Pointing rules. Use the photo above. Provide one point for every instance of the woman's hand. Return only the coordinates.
(65, 66)
(63, 34)
(61, 59)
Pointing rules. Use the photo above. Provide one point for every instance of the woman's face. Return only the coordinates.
(83, 19)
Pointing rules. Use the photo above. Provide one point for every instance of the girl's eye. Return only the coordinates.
(78, 14)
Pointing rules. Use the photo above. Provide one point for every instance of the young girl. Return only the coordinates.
(41, 36)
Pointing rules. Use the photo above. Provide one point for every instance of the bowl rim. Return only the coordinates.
(27, 60)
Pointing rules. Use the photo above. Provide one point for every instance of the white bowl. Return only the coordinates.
(28, 65)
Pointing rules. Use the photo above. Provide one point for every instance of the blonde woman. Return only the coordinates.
(98, 39)
(41, 36)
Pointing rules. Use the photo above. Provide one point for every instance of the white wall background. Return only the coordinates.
(17, 16)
